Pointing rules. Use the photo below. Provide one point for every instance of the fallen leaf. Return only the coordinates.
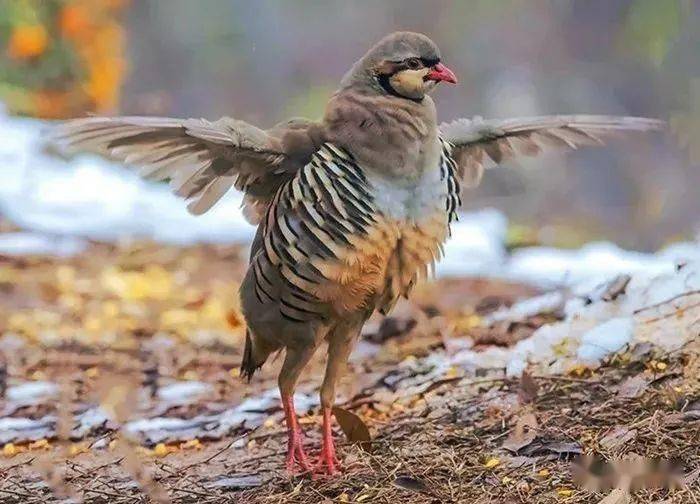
(523, 434)
(353, 427)
(410, 483)
(527, 392)
(491, 463)
(547, 447)
(633, 387)
(615, 288)
(690, 478)
(617, 496)
(617, 438)
(9, 450)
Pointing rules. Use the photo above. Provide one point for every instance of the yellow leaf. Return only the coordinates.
(160, 450)
(492, 462)
(452, 372)
(234, 372)
(543, 473)
(9, 450)
(565, 492)
(77, 449)
(506, 480)
(190, 374)
(191, 444)
(577, 370)
(40, 444)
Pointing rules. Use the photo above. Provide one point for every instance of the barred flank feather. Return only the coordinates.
(328, 250)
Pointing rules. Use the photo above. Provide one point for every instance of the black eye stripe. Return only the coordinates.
(405, 65)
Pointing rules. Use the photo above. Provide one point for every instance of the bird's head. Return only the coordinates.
(403, 64)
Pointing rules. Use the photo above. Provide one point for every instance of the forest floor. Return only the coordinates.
(119, 381)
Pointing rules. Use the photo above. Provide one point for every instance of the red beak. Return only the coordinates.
(441, 73)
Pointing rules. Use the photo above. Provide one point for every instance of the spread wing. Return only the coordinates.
(201, 159)
(480, 144)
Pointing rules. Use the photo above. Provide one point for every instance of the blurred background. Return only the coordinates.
(267, 60)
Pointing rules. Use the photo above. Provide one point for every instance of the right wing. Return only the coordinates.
(201, 159)
(480, 143)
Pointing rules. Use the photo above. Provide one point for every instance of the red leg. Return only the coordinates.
(295, 447)
(327, 461)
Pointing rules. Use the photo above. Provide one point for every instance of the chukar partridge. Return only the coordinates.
(351, 210)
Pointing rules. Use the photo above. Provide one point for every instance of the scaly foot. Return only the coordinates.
(295, 446)
(328, 463)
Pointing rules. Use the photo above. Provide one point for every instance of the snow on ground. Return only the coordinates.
(663, 310)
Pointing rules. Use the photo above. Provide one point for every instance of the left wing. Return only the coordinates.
(480, 144)
(201, 159)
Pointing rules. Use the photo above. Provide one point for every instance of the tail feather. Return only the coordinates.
(248, 364)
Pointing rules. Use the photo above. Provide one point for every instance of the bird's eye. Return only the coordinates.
(413, 63)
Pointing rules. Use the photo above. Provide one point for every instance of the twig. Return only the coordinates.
(672, 314)
(19, 464)
(222, 450)
(669, 300)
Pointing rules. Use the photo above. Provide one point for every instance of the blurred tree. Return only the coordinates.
(61, 58)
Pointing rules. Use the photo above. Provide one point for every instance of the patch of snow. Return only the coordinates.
(663, 310)
(32, 391)
(477, 244)
(589, 265)
(550, 302)
(184, 391)
(605, 339)
(25, 429)
(252, 412)
(32, 243)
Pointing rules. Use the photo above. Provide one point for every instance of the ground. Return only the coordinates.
(128, 326)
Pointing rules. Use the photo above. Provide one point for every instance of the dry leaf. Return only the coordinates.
(527, 392)
(617, 496)
(523, 434)
(492, 462)
(617, 438)
(353, 427)
(547, 447)
(410, 483)
(633, 387)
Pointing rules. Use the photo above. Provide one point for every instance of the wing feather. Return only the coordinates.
(479, 144)
(201, 159)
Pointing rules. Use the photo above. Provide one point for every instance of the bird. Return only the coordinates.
(351, 209)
